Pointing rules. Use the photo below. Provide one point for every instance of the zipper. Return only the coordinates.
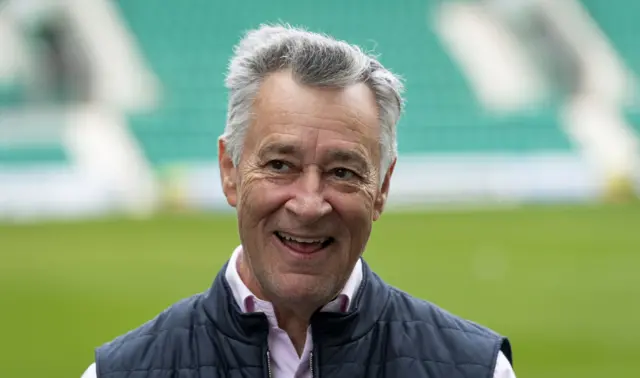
(269, 363)
(311, 363)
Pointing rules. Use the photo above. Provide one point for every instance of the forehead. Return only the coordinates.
(286, 109)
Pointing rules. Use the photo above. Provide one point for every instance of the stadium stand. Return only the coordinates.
(187, 46)
(442, 115)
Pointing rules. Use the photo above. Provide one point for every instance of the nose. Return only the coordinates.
(308, 203)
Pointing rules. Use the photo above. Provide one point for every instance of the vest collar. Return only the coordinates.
(248, 302)
(329, 328)
(369, 303)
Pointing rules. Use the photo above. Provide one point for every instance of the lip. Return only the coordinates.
(297, 255)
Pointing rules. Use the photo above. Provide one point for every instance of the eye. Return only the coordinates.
(343, 173)
(278, 166)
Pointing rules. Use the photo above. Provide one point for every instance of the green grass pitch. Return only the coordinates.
(562, 282)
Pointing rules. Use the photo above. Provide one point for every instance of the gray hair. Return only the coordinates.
(316, 60)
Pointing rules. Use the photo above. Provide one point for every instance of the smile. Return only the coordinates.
(304, 245)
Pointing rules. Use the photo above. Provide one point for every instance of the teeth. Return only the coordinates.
(301, 240)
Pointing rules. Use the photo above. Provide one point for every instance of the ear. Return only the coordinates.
(228, 173)
(381, 199)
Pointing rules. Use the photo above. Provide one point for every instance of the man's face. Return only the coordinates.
(307, 187)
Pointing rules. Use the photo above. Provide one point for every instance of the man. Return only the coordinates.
(306, 159)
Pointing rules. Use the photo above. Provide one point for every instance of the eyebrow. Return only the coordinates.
(279, 149)
(348, 156)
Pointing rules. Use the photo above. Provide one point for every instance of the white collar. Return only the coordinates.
(248, 302)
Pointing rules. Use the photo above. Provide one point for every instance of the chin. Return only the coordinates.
(302, 287)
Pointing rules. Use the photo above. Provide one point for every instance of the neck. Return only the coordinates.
(295, 324)
(292, 318)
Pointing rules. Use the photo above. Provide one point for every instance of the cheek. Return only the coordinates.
(367, 200)
(357, 210)
(248, 184)
(257, 199)
(249, 200)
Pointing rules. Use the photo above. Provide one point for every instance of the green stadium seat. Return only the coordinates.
(619, 21)
(15, 157)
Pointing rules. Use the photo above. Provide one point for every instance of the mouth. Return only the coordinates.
(304, 245)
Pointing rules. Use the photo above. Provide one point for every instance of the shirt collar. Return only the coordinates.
(248, 302)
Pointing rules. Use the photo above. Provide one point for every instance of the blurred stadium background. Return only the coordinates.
(513, 202)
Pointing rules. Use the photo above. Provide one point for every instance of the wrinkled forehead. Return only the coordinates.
(287, 112)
